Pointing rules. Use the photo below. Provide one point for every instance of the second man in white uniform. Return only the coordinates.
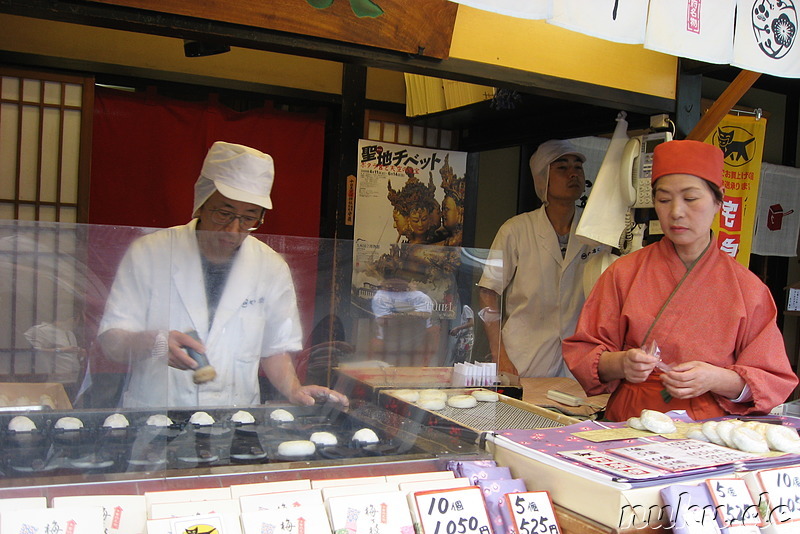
(537, 264)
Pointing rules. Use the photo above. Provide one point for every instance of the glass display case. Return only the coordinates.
(88, 392)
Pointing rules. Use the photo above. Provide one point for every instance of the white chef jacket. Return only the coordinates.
(159, 286)
(543, 291)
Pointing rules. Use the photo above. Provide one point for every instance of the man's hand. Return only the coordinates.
(280, 371)
(310, 395)
(177, 355)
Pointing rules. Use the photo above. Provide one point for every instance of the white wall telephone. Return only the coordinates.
(637, 167)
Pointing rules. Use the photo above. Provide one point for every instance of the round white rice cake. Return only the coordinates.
(709, 429)
(433, 394)
(697, 433)
(748, 440)
(201, 419)
(116, 420)
(69, 423)
(636, 423)
(324, 439)
(366, 436)
(159, 420)
(243, 417)
(484, 395)
(782, 438)
(725, 430)
(431, 403)
(407, 395)
(300, 447)
(759, 427)
(657, 422)
(281, 416)
(462, 401)
(21, 423)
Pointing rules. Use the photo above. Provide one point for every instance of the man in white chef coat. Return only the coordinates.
(541, 272)
(212, 278)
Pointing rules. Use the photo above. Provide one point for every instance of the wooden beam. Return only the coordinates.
(738, 87)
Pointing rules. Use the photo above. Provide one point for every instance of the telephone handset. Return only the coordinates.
(637, 167)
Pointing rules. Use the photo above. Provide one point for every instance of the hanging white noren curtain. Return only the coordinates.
(523, 9)
(762, 37)
(777, 212)
(621, 21)
(766, 34)
(692, 29)
(603, 218)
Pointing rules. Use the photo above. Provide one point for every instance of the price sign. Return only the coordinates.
(734, 505)
(532, 513)
(454, 511)
(782, 492)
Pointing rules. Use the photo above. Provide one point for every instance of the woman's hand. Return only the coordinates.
(633, 365)
(691, 379)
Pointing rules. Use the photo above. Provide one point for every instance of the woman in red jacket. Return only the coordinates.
(713, 320)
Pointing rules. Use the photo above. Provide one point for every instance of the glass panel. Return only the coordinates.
(93, 311)
(27, 212)
(29, 164)
(51, 127)
(374, 130)
(31, 90)
(419, 136)
(389, 129)
(69, 214)
(73, 94)
(52, 93)
(431, 137)
(70, 156)
(47, 213)
(6, 211)
(403, 134)
(446, 140)
(10, 88)
(9, 124)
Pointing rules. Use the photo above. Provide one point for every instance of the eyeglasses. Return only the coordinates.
(225, 217)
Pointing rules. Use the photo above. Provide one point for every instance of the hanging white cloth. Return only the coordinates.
(778, 211)
(621, 21)
(524, 9)
(701, 31)
(765, 38)
(603, 219)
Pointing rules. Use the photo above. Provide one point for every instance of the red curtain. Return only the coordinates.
(147, 152)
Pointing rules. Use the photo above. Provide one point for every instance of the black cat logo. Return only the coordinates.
(734, 150)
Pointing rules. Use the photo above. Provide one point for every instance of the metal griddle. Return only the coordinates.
(486, 416)
(105, 454)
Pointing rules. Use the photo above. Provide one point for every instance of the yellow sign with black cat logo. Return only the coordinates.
(741, 139)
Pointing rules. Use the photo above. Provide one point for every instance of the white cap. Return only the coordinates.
(238, 172)
(547, 153)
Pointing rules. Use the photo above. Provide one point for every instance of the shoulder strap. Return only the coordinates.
(675, 290)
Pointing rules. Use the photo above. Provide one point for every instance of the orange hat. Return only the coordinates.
(688, 157)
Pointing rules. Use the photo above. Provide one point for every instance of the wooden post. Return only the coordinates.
(723, 105)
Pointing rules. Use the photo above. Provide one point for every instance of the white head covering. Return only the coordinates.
(547, 153)
(238, 172)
